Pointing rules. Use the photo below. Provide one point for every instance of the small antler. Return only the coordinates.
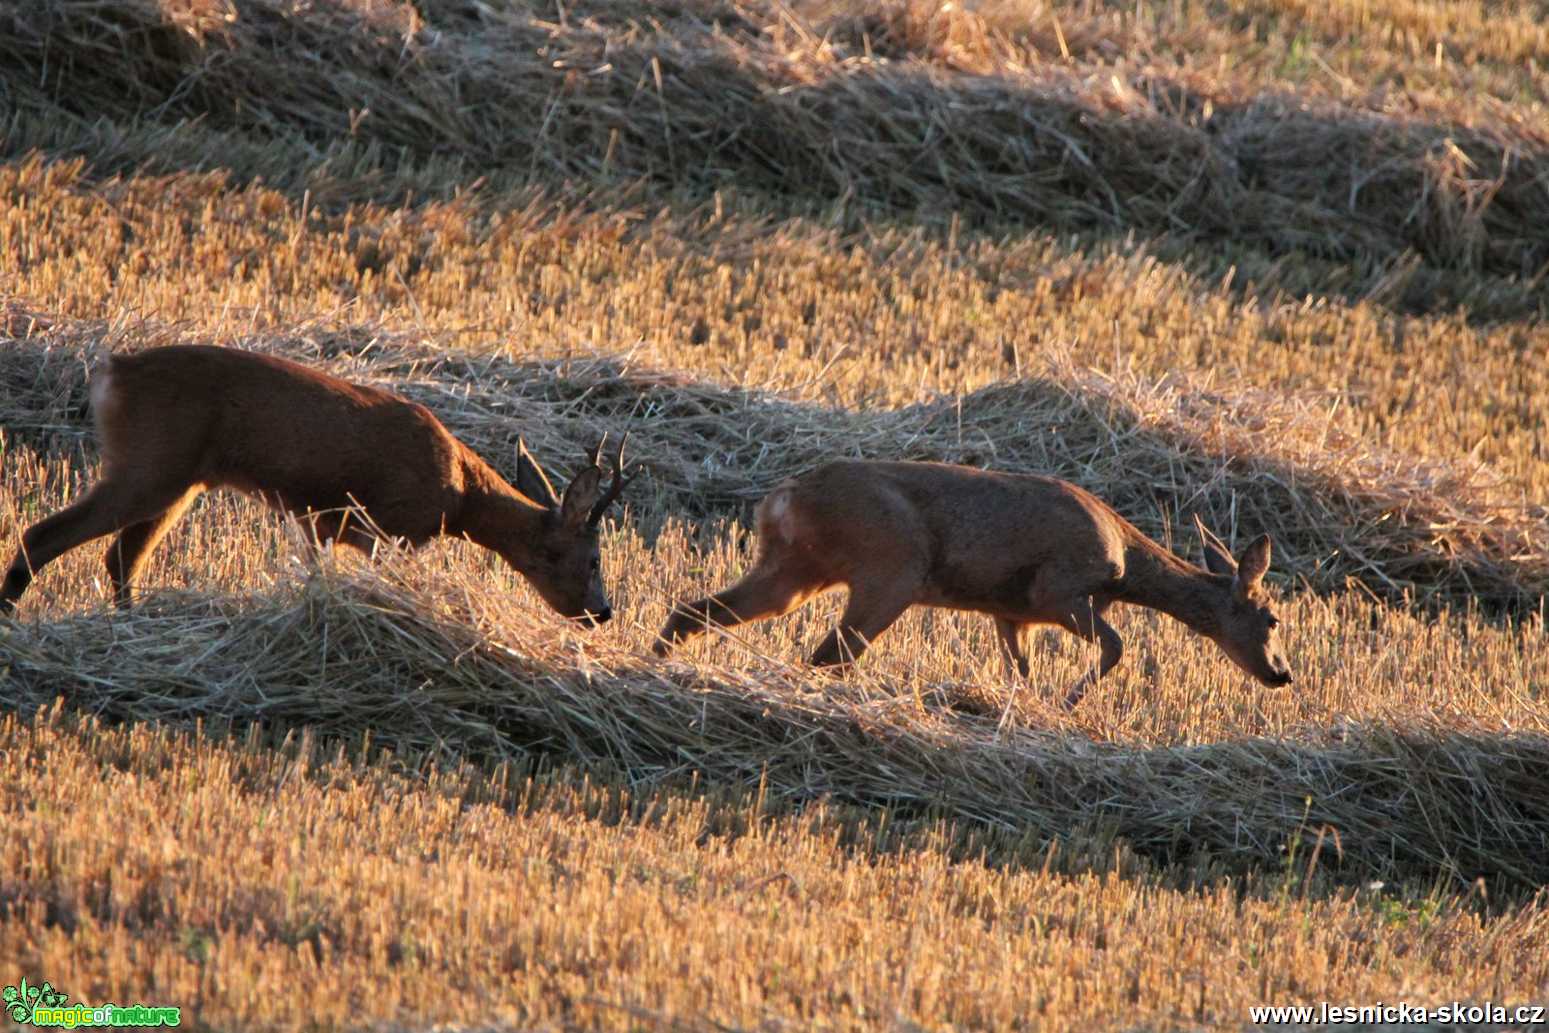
(530, 478)
(1218, 557)
(595, 452)
(620, 482)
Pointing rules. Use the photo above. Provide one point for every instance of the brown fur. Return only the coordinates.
(176, 421)
(1023, 549)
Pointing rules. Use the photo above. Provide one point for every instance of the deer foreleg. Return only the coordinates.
(340, 527)
(758, 596)
(1089, 625)
(1010, 633)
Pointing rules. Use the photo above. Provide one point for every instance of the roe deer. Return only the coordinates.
(175, 421)
(1023, 549)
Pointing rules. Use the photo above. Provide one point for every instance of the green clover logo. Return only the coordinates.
(21, 1002)
(16, 1002)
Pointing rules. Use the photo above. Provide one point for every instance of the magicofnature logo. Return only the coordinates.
(43, 1006)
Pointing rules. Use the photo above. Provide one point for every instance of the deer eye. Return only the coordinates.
(596, 563)
(1274, 622)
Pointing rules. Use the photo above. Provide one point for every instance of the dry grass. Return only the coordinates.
(884, 315)
(1414, 752)
(1275, 262)
(757, 97)
(449, 665)
(287, 886)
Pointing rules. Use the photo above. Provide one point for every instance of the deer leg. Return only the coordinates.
(341, 528)
(762, 594)
(871, 609)
(105, 509)
(1010, 633)
(359, 539)
(1087, 622)
(135, 543)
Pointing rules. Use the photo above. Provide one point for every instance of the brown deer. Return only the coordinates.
(175, 421)
(1023, 549)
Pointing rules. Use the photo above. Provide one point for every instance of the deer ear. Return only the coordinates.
(1218, 559)
(580, 497)
(530, 479)
(1254, 562)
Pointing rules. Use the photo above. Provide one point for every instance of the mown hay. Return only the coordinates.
(1249, 463)
(751, 96)
(453, 672)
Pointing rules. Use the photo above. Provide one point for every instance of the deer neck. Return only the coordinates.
(498, 517)
(1155, 578)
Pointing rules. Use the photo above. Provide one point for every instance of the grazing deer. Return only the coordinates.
(1023, 549)
(176, 421)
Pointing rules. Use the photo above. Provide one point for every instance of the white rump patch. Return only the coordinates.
(101, 383)
(776, 517)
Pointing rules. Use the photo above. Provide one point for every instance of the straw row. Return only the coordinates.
(1248, 463)
(750, 96)
(452, 672)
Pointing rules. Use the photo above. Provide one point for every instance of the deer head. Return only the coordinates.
(1245, 624)
(565, 564)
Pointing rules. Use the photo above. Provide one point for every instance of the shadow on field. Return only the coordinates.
(1159, 453)
(429, 678)
(347, 104)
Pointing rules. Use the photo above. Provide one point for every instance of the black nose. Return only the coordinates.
(1283, 679)
(603, 615)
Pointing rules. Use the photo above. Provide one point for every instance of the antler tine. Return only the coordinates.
(1208, 537)
(618, 457)
(594, 453)
(620, 482)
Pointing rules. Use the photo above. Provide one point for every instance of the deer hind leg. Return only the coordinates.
(106, 508)
(873, 606)
(1011, 646)
(1086, 621)
(135, 543)
(765, 592)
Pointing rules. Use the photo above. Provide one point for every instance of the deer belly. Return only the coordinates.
(299, 501)
(1006, 592)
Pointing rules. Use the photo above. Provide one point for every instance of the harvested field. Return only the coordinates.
(456, 673)
(556, 903)
(1281, 265)
(877, 108)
